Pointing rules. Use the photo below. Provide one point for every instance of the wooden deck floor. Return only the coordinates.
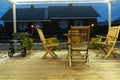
(32, 67)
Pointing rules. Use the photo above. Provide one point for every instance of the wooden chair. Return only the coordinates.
(107, 45)
(78, 43)
(48, 44)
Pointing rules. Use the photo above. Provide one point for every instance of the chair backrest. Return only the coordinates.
(53, 41)
(74, 36)
(41, 35)
(80, 34)
(112, 34)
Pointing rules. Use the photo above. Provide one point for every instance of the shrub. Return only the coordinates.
(27, 43)
(53, 41)
(94, 42)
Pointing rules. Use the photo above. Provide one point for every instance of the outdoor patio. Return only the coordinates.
(32, 67)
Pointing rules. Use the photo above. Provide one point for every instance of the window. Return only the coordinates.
(38, 25)
(63, 24)
(78, 23)
(22, 26)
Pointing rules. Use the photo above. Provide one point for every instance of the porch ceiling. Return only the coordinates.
(56, 1)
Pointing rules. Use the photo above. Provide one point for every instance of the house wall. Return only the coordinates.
(59, 29)
(55, 28)
(8, 26)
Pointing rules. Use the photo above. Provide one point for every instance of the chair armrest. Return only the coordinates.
(101, 36)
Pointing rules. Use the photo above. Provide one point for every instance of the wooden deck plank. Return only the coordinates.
(32, 67)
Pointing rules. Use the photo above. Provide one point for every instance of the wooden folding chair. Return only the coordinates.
(48, 44)
(78, 43)
(107, 45)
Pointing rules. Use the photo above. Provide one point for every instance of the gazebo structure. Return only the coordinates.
(20, 2)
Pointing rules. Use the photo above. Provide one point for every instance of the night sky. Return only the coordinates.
(102, 9)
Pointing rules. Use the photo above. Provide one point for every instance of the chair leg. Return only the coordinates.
(69, 59)
(98, 52)
(102, 48)
(45, 55)
(110, 51)
(54, 53)
(113, 54)
(50, 52)
(87, 60)
(86, 55)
